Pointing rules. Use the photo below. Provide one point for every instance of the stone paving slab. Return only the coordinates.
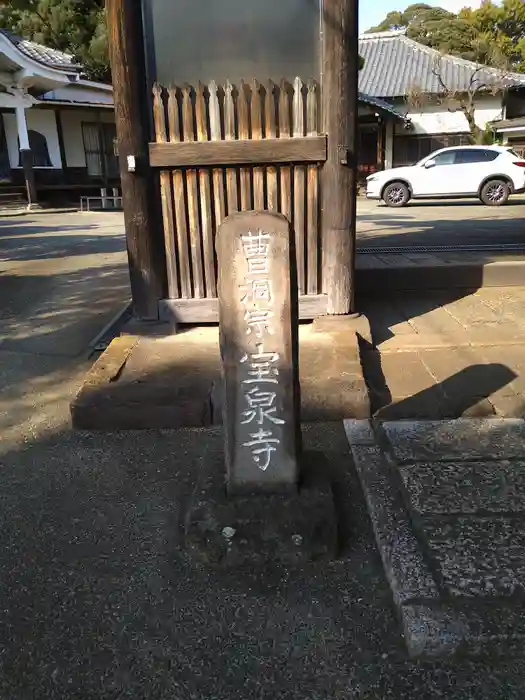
(447, 355)
(478, 557)
(465, 439)
(447, 502)
(465, 487)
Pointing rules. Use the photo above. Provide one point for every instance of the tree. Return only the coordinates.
(74, 26)
(399, 20)
(482, 81)
(490, 35)
(501, 31)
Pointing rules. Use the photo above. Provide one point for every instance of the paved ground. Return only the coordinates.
(62, 278)
(98, 598)
(449, 354)
(440, 223)
(101, 603)
(421, 223)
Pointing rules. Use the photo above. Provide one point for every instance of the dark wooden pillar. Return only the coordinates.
(61, 145)
(381, 137)
(339, 174)
(132, 98)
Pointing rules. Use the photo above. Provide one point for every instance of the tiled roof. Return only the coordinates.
(43, 54)
(517, 122)
(395, 64)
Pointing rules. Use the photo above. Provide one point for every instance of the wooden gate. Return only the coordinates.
(227, 148)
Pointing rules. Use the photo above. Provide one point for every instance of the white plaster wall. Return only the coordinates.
(40, 120)
(436, 119)
(72, 130)
(77, 93)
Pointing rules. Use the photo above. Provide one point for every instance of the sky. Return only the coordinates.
(372, 12)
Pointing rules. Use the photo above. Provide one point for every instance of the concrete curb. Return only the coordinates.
(28, 212)
(111, 326)
(434, 625)
(429, 634)
(381, 280)
(105, 370)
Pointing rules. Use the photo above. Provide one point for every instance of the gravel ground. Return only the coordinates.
(100, 601)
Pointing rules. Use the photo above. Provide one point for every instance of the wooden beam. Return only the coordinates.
(339, 174)
(190, 154)
(61, 145)
(141, 210)
(207, 310)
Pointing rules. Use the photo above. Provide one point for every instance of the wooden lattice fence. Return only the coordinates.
(227, 148)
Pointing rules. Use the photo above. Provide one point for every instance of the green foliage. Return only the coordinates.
(494, 34)
(399, 20)
(74, 26)
(489, 138)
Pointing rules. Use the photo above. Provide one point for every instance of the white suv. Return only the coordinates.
(491, 173)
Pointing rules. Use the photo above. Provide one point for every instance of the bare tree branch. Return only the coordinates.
(482, 78)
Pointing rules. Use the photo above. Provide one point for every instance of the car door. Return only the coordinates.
(437, 179)
(472, 167)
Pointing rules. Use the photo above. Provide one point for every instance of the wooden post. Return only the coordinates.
(381, 144)
(26, 156)
(139, 197)
(61, 145)
(339, 174)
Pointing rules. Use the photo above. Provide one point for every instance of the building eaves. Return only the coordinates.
(516, 123)
(51, 58)
(383, 106)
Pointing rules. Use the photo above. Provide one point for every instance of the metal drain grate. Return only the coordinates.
(494, 248)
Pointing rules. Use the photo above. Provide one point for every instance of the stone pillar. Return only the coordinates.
(258, 320)
(26, 156)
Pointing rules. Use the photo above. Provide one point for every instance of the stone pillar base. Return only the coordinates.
(256, 529)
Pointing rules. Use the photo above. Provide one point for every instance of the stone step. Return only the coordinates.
(175, 381)
(390, 274)
(446, 502)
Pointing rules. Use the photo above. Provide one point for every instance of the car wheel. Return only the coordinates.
(495, 193)
(396, 194)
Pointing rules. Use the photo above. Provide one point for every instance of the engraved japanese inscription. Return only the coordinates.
(258, 326)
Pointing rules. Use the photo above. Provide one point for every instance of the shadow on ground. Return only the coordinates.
(58, 319)
(465, 394)
(101, 601)
(28, 242)
(46, 325)
(407, 228)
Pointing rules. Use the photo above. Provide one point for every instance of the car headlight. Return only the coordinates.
(372, 178)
